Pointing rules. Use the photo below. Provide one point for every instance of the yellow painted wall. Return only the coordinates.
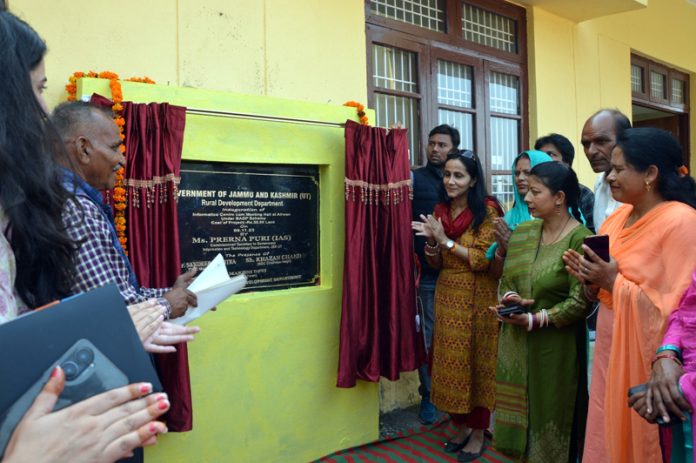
(311, 50)
(263, 368)
(578, 68)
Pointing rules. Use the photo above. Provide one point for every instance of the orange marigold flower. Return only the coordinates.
(364, 120)
(119, 191)
(120, 228)
(117, 107)
(120, 207)
(122, 149)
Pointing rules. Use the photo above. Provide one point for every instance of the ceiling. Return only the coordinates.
(582, 10)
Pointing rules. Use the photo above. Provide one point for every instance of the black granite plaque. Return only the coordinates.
(262, 218)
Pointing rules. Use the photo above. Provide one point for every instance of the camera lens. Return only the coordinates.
(85, 356)
(71, 370)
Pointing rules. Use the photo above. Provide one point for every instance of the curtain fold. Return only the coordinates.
(378, 334)
(154, 138)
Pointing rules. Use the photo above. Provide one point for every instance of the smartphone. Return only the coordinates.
(599, 245)
(510, 310)
(88, 372)
(644, 387)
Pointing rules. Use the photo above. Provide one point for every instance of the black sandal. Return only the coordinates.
(453, 447)
(464, 457)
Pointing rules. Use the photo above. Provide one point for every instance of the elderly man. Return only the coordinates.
(598, 140)
(92, 144)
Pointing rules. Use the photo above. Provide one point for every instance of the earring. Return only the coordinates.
(558, 209)
(648, 186)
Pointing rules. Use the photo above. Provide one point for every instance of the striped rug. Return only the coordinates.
(421, 445)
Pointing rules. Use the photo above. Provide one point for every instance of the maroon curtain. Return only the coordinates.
(378, 327)
(154, 139)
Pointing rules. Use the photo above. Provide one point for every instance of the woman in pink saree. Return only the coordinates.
(671, 393)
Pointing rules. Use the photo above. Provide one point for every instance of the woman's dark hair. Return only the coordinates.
(557, 177)
(644, 147)
(31, 193)
(478, 193)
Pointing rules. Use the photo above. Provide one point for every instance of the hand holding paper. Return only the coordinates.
(212, 286)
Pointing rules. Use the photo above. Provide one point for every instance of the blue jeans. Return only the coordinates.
(426, 293)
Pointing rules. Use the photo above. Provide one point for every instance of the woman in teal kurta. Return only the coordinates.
(541, 374)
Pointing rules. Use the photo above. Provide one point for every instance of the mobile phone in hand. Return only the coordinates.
(510, 310)
(599, 245)
(88, 372)
(644, 387)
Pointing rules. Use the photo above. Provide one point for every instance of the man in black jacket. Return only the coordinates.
(428, 190)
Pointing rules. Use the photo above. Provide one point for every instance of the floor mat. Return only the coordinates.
(421, 445)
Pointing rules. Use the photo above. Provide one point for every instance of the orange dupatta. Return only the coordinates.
(656, 258)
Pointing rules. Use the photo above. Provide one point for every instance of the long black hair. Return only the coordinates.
(557, 177)
(644, 147)
(477, 194)
(31, 192)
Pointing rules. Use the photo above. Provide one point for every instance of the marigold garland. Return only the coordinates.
(119, 194)
(361, 111)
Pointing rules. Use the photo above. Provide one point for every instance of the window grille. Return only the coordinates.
(390, 109)
(429, 14)
(464, 122)
(657, 85)
(489, 29)
(636, 78)
(504, 93)
(677, 91)
(503, 189)
(454, 84)
(394, 69)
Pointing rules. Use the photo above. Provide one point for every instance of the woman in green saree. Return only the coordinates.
(541, 398)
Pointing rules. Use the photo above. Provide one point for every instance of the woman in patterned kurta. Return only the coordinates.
(466, 332)
(542, 367)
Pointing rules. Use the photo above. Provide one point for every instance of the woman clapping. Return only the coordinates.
(465, 334)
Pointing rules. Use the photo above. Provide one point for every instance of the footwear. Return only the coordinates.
(469, 456)
(427, 414)
(452, 447)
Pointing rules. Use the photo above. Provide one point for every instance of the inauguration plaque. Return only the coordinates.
(262, 218)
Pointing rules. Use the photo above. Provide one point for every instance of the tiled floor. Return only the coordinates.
(394, 422)
(397, 421)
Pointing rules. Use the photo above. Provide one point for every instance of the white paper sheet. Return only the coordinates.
(212, 286)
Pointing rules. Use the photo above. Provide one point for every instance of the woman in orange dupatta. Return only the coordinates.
(653, 254)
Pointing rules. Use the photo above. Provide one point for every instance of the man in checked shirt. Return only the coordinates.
(92, 142)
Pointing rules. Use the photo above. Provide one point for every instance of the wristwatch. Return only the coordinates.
(449, 244)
